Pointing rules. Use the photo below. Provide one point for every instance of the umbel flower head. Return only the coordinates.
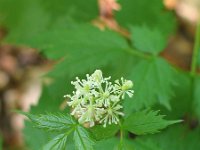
(96, 100)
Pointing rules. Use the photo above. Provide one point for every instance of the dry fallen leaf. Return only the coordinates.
(106, 17)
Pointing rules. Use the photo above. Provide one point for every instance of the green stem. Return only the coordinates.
(120, 146)
(138, 53)
(71, 130)
(121, 136)
(195, 51)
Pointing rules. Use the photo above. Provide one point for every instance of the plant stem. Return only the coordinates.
(138, 53)
(121, 136)
(195, 51)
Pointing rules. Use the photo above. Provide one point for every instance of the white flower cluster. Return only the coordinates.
(97, 100)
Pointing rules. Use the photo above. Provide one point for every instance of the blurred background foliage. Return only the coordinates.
(143, 41)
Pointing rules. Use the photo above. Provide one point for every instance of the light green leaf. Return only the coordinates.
(146, 122)
(65, 124)
(153, 83)
(147, 12)
(80, 54)
(99, 132)
(59, 143)
(82, 139)
(26, 18)
(52, 122)
(23, 18)
(147, 40)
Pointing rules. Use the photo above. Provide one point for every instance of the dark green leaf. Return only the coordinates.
(153, 82)
(146, 122)
(146, 145)
(99, 132)
(82, 139)
(177, 138)
(109, 144)
(52, 122)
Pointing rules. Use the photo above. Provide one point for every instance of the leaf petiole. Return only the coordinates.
(195, 51)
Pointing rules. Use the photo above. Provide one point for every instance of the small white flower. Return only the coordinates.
(105, 95)
(112, 114)
(97, 100)
(90, 114)
(124, 87)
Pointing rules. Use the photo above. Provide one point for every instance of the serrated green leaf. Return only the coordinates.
(99, 132)
(146, 122)
(73, 41)
(65, 124)
(153, 81)
(147, 40)
(82, 139)
(59, 143)
(52, 122)
(181, 105)
(80, 53)
(36, 138)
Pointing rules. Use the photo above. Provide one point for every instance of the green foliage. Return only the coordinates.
(146, 40)
(73, 42)
(62, 123)
(26, 18)
(52, 122)
(176, 138)
(155, 74)
(60, 30)
(99, 132)
(82, 139)
(145, 122)
(74, 47)
(58, 142)
(110, 144)
(145, 12)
